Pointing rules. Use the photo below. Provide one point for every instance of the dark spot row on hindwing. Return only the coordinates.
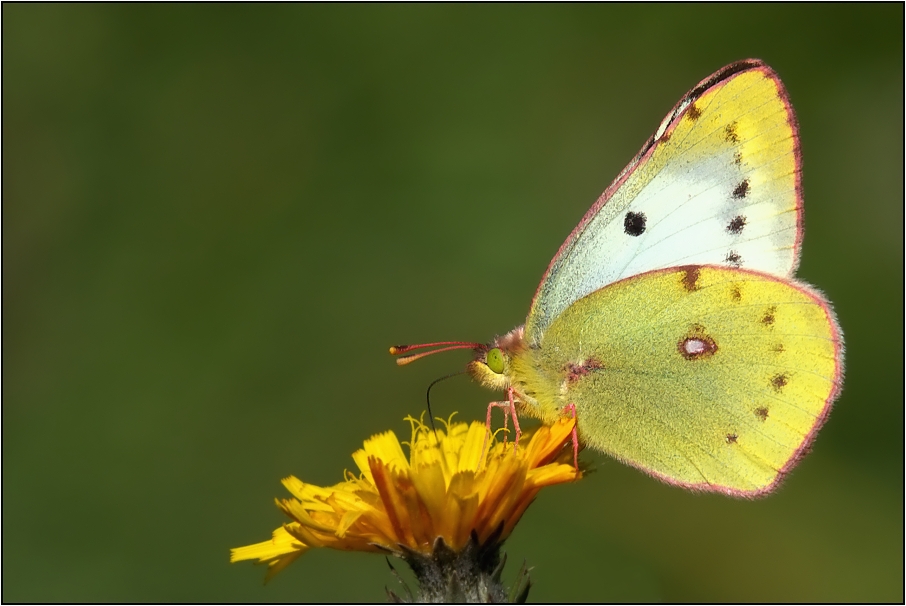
(731, 438)
(690, 277)
(761, 413)
(737, 158)
(779, 381)
(733, 259)
(634, 223)
(767, 318)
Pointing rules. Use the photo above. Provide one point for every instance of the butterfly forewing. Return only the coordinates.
(718, 184)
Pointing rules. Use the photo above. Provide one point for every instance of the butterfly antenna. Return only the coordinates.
(428, 396)
(446, 346)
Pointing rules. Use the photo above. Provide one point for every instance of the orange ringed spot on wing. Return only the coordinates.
(697, 347)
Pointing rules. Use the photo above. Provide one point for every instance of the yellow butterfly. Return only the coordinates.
(669, 321)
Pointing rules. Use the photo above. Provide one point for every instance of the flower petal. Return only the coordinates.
(455, 482)
(281, 543)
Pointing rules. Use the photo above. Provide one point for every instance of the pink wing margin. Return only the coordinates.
(718, 78)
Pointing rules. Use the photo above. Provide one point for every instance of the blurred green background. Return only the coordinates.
(216, 219)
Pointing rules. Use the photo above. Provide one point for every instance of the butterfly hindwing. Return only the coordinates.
(718, 184)
(718, 382)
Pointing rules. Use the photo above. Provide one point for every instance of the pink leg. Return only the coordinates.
(572, 409)
(509, 409)
(516, 428)
(506, 409)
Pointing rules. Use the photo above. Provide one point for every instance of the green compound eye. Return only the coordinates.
(495, 360)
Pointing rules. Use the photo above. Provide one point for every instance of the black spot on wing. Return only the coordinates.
(761, 413)
(733, 259)
(737, 158)
(731, 438)
(741, 190)
(634, 223)
(767, 318)
(730, 133)
(736, 224)
(693, 113)
(690, 277)
(778, 382)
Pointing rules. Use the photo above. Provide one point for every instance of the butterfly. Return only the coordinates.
(669, 322)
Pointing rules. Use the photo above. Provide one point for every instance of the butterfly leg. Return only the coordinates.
(509, 410)
(516, 428)
(571, 408)
(506, 410)
(506, 413)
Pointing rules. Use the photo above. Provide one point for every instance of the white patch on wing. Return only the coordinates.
(714, 194)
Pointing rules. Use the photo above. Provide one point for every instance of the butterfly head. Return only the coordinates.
(491, 366)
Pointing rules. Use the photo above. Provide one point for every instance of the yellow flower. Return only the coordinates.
(448, 488)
